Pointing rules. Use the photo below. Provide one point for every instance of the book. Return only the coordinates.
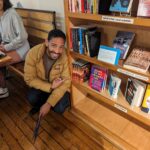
(93, 40)
(138, 60)
(114, 86)
(134, 93)
(109, 54)
(103, 6)
(80, 70)
(98, 78)
(146, 101)
(144, 8)
(121, 6)
(123, 42)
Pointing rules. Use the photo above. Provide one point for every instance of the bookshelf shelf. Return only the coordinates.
(136, 21)
(120, 103)
(121, 69)
(114, 119)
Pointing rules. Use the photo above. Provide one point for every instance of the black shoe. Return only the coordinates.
(33, 111)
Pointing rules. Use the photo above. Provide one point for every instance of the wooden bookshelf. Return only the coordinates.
(114, 119)
(120, 103)
(136, 21)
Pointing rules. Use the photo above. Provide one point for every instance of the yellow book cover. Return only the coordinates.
(146, 101)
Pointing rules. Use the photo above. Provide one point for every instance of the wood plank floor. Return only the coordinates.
(56, 132)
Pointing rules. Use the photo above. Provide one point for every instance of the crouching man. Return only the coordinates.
(47, 74)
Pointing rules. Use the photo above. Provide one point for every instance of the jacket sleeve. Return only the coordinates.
(21, 34)
(58, 93)
(30, 74)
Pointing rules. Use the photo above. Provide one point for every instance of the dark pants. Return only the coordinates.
(37, 98)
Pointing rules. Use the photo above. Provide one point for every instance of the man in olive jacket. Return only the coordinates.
(46, 71)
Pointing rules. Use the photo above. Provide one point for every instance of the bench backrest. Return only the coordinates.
(37, 23)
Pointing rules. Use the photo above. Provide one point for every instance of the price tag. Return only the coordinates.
(137, 76)
(117, 19)
(120, 108)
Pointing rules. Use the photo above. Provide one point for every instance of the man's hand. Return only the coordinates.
(57, 82)
(45, 108)
(2, 48)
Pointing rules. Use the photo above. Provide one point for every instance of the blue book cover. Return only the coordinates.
(121, 6)
(109, 54)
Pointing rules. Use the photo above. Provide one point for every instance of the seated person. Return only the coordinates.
(47, 73)
(13, 39)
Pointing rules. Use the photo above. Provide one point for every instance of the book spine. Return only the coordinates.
(146, 102)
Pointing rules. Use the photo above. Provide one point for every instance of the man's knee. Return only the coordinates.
(62, 104)
(33, 96)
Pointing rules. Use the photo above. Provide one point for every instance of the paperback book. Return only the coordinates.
(98, 78)
(138, 60)
(121, 6)
(123, 41)
(114, 86)
(134, 93)
(144, 8)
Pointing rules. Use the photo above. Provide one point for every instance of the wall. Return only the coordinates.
(56, 5)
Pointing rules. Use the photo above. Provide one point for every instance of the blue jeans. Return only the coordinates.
(37, 98)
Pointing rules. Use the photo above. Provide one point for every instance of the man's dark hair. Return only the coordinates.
(6, 4)
(56, 33)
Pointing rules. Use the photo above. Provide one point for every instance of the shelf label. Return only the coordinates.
(120, 108)
(117, 19)
(137, 76)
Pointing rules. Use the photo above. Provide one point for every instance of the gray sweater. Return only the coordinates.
(13, 33)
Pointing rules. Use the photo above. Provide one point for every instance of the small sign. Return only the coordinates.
(118, 19)
(137, 76)
(120, 108)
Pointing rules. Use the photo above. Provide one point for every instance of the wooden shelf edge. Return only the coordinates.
(108, 135)
(135, 74)
(127, 112)
(138, 21)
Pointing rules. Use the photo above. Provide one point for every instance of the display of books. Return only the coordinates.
(138, 60)
(121, 6)
(144, 8)
(114, 86)
(134, 93)
(123, 42)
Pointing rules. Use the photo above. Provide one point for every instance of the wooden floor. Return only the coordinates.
(56, 132)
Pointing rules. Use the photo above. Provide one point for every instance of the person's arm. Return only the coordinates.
(21, 34)
(60, 90)
(30, 74)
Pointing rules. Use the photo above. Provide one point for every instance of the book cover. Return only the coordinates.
(138, 60)
(114, 86)
(109, 54)
(103, 7)
(121, 6)
(93, 40)
(123, 42)
(98, 78)
(144, 8)
(135, 90)
(146, 101)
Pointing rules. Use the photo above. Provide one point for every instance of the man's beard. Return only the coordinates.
(49, 53)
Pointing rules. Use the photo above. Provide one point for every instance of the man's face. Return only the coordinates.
(1, 5)
(55, 47)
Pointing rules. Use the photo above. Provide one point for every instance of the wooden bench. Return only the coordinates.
(37, 23)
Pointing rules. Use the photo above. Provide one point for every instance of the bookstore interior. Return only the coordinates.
(109, 54)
